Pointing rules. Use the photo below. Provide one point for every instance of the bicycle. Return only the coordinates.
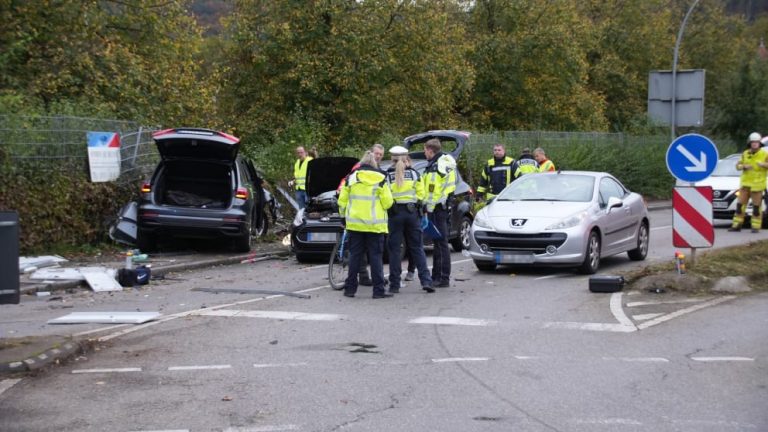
(339, 263)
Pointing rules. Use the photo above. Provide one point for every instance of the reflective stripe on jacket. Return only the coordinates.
(755, 177)
(439, 180)
(496, 175)
(300, 172)
(364, 201)
(525, 165)
(412, 191)
(546, 166)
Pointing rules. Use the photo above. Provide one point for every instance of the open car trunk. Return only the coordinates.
(197, 184)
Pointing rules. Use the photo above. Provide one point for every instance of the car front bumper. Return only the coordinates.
(562, 247)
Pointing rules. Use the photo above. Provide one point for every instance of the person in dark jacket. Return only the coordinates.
(525, 164)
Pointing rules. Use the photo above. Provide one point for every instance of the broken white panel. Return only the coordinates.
(29, 264)
(70, 273)
(57, 274)
(101, 280)
(106, 318)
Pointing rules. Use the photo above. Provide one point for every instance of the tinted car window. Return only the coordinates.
(545, 187)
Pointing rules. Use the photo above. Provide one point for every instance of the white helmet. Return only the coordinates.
(754, 136)
(398, 151)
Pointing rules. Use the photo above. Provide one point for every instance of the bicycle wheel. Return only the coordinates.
(337, 267)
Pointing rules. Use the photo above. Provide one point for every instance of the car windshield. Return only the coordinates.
(726, 168)
(546, 187)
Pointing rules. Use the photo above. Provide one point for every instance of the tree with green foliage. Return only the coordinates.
(354, 69)
(531, 66)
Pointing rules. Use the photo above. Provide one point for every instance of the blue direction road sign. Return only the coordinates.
(692, 157)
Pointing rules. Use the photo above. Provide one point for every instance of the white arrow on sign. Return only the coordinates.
(699, 165)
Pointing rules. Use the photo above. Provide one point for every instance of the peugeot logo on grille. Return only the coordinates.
(517, 223)
(717, 194)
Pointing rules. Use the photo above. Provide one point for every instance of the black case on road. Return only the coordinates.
(606, 283)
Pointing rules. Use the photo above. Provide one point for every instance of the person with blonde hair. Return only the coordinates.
(363, 203)
(404, 220)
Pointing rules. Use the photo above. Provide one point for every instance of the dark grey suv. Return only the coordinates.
(201, 189)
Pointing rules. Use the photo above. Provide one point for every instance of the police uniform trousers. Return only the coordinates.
(360, 244)
(404, 224)
(441, 255)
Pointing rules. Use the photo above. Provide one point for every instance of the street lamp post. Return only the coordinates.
(674, 67)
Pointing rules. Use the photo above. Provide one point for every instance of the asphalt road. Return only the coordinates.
(523, 350)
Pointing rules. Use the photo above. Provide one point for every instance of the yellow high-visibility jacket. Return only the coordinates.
(546, 166)
(439, 181)
(496, 175)
(755, 177)
(300, 172)
(364, 201)
(412, 190)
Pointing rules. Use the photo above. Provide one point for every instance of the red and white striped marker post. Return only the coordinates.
(692, 225)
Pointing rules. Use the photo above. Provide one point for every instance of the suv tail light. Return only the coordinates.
(241, 193)
(146, 187)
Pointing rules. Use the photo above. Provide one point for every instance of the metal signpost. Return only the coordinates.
(9, 257)
(692, 158)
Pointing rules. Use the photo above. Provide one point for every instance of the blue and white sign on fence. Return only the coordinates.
(692, 157)
(104, 156)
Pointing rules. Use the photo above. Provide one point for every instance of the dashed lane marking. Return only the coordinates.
(223, 306)
(277, 365)
(106, 370)
(638, 359)
(439, 320)
(8, 383)
(723, 359)
(459, 359)
(201, 367)
(280, 315)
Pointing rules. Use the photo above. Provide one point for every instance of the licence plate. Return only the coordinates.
(321, 237)
(513, 258)
(719, 204)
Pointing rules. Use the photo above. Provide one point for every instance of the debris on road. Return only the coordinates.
(106, 318)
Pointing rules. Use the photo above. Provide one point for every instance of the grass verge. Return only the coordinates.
(749, 260)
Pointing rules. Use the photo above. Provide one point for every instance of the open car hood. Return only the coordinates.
(324, 174)
(192, 143)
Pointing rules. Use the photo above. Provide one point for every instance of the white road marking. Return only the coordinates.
(269, 428)
(452, 321)
(644, 317)
(661, 227)
(526, 357)
(548, 277)
(638, 359)
(118, 370)
(655, 303)
(722, 359)
(274, 365)
(8, 383)
(202, 367)
(618, 328)
(459, 359)
(99, 330)
(164, 430)
(223, 306)
(280, 315)
(618, 311)
(681, 312)
(609, 421)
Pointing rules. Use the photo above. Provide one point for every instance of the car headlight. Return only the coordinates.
(569, 222)
(299, 219)
(482, 221)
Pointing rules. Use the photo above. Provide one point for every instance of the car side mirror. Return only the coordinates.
(614, 202)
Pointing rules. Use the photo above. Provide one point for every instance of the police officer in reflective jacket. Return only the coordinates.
(497, 174)
(404, 220)
(364, 201)
(439, 182)
(525, 164)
